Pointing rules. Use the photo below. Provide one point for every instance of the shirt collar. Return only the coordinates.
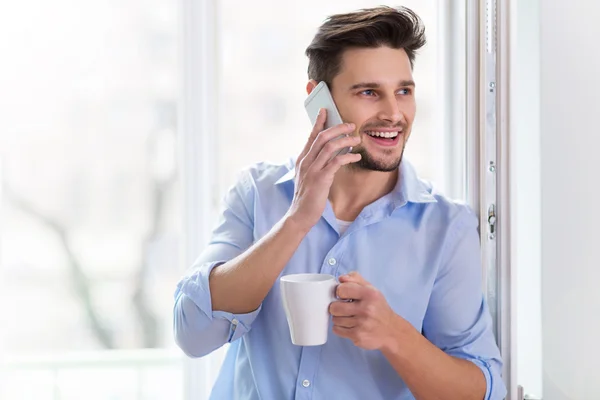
(409, 188)
(288, 176)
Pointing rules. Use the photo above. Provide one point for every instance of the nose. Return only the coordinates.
(390, 111)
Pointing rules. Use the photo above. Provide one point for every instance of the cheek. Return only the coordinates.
(410, 110)
(360, 113)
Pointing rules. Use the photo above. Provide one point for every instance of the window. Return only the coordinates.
(91, 215)
(90, 226)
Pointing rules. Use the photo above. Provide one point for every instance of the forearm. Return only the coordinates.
(240, 285)
(429, 372)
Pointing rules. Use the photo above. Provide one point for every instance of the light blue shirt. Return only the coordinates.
(418, 248)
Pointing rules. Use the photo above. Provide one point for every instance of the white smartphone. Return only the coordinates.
(320, 97)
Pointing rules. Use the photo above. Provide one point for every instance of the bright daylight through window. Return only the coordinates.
(91, 192)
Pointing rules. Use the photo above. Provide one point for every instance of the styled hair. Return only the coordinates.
(397, 28)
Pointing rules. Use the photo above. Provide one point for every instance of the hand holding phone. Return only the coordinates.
(321, 97)
(316, 167)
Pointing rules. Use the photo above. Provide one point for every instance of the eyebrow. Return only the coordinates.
(375, 85)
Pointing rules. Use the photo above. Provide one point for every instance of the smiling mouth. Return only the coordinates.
(384, 134)
(385, 138)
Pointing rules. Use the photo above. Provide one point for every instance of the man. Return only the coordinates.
(408, 258)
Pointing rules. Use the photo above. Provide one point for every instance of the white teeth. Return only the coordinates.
(383, 134)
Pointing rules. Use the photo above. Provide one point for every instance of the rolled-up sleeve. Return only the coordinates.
(457, 319)
(199, 330)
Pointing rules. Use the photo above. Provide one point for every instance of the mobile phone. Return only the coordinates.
(320, 97)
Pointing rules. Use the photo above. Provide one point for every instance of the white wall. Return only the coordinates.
(570, 142)
(525, 193)
(554, 193)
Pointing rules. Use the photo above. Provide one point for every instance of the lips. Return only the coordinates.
(384, 137)
(384, 134)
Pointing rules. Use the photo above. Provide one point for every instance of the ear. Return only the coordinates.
(311, 85)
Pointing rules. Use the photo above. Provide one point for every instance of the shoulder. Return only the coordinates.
(457, 211)
(268, 173)
(255, 184)
(265, 173)
(262, 176)
(455, 214)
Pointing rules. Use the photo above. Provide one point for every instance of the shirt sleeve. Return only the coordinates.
(457, 319)
(199, 330)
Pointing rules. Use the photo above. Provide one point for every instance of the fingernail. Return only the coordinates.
(350, 126)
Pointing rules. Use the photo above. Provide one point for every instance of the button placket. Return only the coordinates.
(309, 364)
(331, 263)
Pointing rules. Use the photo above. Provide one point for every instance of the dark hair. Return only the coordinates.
(398, 28)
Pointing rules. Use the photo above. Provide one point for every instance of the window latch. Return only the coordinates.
(492, 221)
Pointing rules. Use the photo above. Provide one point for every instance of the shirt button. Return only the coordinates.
(332, 261)
(306, 383)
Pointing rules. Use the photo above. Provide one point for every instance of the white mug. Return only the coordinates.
(306, 299)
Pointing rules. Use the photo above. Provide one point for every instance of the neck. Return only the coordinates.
(353, 189)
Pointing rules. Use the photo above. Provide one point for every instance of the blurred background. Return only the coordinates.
(91, 200)
(94, 224)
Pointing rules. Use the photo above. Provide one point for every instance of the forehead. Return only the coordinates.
(381, 64)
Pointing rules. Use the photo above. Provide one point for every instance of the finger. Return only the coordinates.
(318, 126)
(342, 331)
(343, 309)
(345, 322)
(332, 148)
(354, 277)
(350, 290)
(324, 137)
(339, 161)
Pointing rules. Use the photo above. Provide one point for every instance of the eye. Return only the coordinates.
(368, 92)
(405, 91)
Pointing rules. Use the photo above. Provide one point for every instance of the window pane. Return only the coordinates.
(90, 217)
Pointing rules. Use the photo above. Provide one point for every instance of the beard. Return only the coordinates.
(369, 163)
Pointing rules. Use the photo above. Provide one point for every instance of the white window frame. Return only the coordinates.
(488, 45)
(197, 115)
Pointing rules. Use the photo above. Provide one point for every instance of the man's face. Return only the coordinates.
(375, 91)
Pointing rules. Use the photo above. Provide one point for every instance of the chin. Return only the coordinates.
(385, 163)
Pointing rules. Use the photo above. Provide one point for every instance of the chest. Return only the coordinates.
(397, 256)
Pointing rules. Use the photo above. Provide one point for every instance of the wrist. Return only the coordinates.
(400, 339)
(294, 223)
